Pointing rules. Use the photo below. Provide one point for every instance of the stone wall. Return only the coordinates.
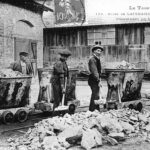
(19, 23)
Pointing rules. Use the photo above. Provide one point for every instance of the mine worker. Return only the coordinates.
(24, 65)
(59, 76)
(94, 65)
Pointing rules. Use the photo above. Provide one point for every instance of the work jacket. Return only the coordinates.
(16, 66)
(95, 69)
(60, 71)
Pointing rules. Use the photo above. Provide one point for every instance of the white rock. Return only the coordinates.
(128, 128)
(117, 135)
(133, 118)
(90, 139)
(143, 118)
(147, 127)
(50, 142)
(112, 125)
(71, 131)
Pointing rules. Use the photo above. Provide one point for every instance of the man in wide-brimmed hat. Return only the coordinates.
(23, 65)
(59, 75)
(95, 73)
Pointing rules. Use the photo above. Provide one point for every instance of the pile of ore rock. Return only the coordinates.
(80, 64)
(121, 65)
(87, 129)
(9, 73)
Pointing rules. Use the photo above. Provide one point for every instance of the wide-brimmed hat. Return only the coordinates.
(95, 47)
(64, 52)
(23, 54)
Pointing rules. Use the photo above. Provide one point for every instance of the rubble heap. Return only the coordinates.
(9, 73)
(87, 129)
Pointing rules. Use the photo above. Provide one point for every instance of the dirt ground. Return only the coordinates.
(83, 93)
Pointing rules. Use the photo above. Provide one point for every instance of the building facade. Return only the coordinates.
(123, 30)
(21, 29)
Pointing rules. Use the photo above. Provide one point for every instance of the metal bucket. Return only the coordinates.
(14, 92)
(125, 84)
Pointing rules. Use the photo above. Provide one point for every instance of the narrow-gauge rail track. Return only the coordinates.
(13, 127)
(23, 127)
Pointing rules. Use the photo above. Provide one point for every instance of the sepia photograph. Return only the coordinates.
(74, 74)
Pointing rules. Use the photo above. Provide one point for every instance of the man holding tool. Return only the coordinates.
(59, 78)
(94, 77)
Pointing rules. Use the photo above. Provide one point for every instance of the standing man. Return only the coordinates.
(94, 77)
(59, 77)
(23, 65)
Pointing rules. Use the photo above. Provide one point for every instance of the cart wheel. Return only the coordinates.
(7, 117)
(72, 108)
(131, 106)
(139, 106)
(21, 115)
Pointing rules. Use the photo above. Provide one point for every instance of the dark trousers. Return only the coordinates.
(57, 92)
(95, 96)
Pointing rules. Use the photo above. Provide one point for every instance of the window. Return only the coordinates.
(103, 35)
(66, 37)
(131, 34)
(82, 37)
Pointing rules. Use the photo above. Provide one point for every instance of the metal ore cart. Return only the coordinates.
(124, 87)
(14, 97)
(45, 102)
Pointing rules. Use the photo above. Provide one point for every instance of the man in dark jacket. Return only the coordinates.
(94, 77)
(23, 65)
(59, 77)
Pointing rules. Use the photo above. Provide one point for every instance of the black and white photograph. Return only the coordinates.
(74, 74)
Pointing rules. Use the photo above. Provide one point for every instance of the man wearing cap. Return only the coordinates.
(23, 65)
(59, 75)
(94, 77)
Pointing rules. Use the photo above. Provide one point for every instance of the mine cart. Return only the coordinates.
(14, 97)
(124, 85)
(45, 101)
